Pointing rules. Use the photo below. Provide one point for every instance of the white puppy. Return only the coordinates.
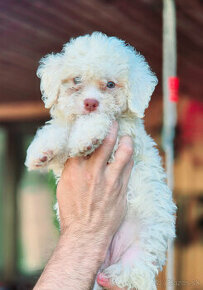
(94, 80)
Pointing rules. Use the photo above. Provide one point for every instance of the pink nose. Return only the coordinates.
(91, 104)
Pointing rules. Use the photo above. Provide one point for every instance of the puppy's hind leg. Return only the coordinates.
(133, 262)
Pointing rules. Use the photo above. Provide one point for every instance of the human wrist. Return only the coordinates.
(77, 227)
(95, 239)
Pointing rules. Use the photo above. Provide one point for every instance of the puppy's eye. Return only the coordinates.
(110, 85)
(77, 80)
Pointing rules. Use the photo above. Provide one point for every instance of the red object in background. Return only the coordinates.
(173, 85)
(189, 131)
(191, 123)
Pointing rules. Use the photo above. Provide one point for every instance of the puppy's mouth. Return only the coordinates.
(84, 112)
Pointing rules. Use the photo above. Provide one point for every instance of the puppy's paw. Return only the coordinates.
(90, 148)
(84, 149)
(87, 133)
(41, 161)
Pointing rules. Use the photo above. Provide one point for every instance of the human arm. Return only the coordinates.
(92, 196)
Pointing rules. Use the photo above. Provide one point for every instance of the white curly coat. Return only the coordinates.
(139, 247)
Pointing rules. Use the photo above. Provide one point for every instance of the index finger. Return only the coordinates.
(103, 153)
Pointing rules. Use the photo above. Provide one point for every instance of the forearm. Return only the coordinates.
(75, 261)
(91, 195)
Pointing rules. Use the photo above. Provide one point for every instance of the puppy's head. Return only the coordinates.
(96, 73)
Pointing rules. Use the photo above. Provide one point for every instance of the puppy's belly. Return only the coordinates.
(125, 244)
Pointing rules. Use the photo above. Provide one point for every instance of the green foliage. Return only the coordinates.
(52, 186)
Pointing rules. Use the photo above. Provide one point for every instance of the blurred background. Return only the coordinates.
(29, 29)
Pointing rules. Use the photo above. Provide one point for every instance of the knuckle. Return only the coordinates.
(89, 177)
(127, 149)
(92, 178)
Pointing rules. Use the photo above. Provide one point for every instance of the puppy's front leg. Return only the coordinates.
(48, 144)
(87, 133)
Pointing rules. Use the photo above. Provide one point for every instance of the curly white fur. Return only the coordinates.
(138, 249)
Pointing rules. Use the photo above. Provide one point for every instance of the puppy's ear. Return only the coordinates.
(142, 82)
(49, 73)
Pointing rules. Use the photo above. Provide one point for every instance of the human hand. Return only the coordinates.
(91, 193)
(91, 197)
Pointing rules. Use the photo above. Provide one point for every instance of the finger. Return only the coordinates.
(128, 168)
(74, 163)
(123, 154)
(127, 172)
(73, 160)
(103, 153)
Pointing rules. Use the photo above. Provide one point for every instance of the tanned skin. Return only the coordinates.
(92, 202)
